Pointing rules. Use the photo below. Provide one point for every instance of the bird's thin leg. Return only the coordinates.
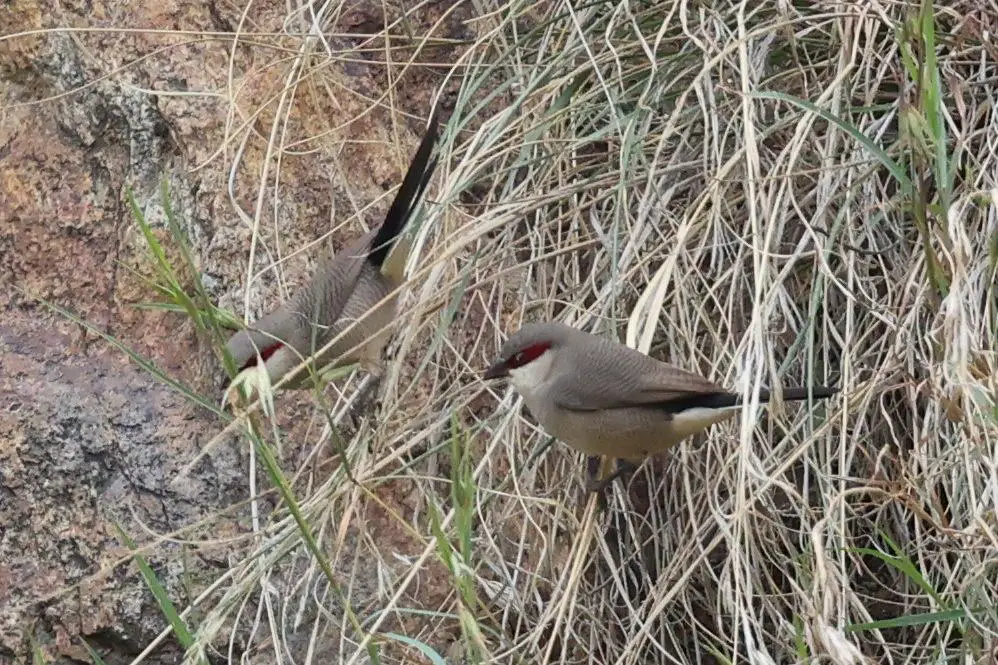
(624, 468)
(367, 394)
(594, 484)
(366, 397)
(593, 465)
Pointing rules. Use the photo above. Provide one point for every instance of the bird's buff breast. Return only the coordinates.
(623, 433)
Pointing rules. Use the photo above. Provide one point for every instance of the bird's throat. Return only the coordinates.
(530, 377)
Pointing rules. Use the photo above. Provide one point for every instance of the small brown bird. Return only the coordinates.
(604, 398)
(344, 288)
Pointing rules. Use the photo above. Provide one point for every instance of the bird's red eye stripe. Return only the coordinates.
(264, 354)
(524, 356)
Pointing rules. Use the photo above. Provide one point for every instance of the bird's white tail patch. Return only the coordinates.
(695, 420)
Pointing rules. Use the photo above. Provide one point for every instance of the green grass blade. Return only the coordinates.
(923, 619)
(158, 591)
(95, 657)
(895, 169)
(429, 652)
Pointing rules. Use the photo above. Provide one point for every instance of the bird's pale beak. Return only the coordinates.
(496, 371)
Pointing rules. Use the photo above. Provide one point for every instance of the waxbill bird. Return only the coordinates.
(343, 289)
(606, 399)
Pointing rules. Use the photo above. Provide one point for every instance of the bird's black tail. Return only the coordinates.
(724, 400)
(415, 181)
(799, 394)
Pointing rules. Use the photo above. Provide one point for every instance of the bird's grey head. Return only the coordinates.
(532, 345)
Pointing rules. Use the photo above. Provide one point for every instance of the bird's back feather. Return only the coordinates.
(628, 378)
(617, 376)
(337, 281)
(345, 285)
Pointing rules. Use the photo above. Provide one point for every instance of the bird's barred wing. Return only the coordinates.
(611, 376)
(334, 282)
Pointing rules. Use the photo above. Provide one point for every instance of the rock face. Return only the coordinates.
(89, 440)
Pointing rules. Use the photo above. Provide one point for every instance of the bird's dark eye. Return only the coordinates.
(529, 354)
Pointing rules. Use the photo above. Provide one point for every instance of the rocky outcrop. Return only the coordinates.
(89, 440)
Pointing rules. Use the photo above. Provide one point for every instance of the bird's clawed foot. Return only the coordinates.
(365, 399)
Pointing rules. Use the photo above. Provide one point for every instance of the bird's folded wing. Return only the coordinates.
(621, 378)
(335, 280)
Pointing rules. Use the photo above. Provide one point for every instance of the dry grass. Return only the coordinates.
(632, 180)
(765, 193)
